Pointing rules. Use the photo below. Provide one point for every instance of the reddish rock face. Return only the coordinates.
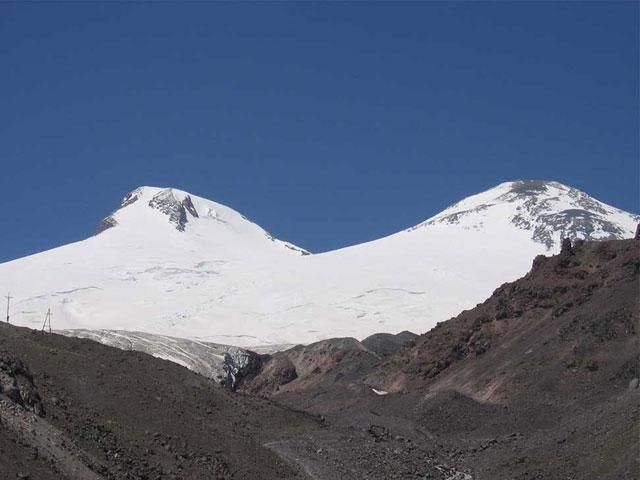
(574, 308)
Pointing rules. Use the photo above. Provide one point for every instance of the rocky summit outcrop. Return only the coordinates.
(549, 210)
(166, 202)
(110, 221)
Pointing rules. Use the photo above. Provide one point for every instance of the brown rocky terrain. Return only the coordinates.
(539, 381)
(105, 413)
(75, 409)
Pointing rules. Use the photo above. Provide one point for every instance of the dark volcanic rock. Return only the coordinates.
(105, 224)
(166, 202)
(277, 370)
(385, 344)
(127, 415)
(16, 383)
(110, 221)
(239, 363)
(566, 249)
(319, 364)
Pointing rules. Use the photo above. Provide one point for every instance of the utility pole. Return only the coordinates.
(8, 297)
(47, 320)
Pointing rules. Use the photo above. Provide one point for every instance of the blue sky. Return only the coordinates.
(328, 124)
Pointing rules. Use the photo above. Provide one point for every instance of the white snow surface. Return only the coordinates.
(379, 392)
(223, 279)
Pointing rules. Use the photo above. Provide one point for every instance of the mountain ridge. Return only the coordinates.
(177, 205)
(175, 264)
(538, 197)
(181, 209)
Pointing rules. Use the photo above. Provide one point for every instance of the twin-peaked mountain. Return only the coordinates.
(172, 263)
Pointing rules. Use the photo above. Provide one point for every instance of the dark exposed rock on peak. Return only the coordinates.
(110, 221)
(105, 224)
(549, 210)
(129, 199)
(188, 205)
(572, 223)
(530, 187)
(166, 202)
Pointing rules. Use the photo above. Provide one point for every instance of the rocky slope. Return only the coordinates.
(74, 409)
(112, 414)
(538, 381)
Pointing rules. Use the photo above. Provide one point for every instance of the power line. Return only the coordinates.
(8, 297)
(47, 320)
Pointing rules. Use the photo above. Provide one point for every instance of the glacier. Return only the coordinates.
(170, 263)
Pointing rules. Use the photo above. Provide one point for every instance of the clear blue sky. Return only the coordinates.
(328, 124)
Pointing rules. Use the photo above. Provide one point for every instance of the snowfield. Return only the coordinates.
(173, 264)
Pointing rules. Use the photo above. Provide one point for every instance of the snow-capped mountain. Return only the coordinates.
(211, 225)
(550, 210)
(170, 263)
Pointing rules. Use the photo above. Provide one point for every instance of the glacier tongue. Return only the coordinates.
(171, 263)
(207, 359)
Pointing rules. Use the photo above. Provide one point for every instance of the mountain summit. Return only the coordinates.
(551, 211)
(171, 263)
(175, 204)
(152, 211)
